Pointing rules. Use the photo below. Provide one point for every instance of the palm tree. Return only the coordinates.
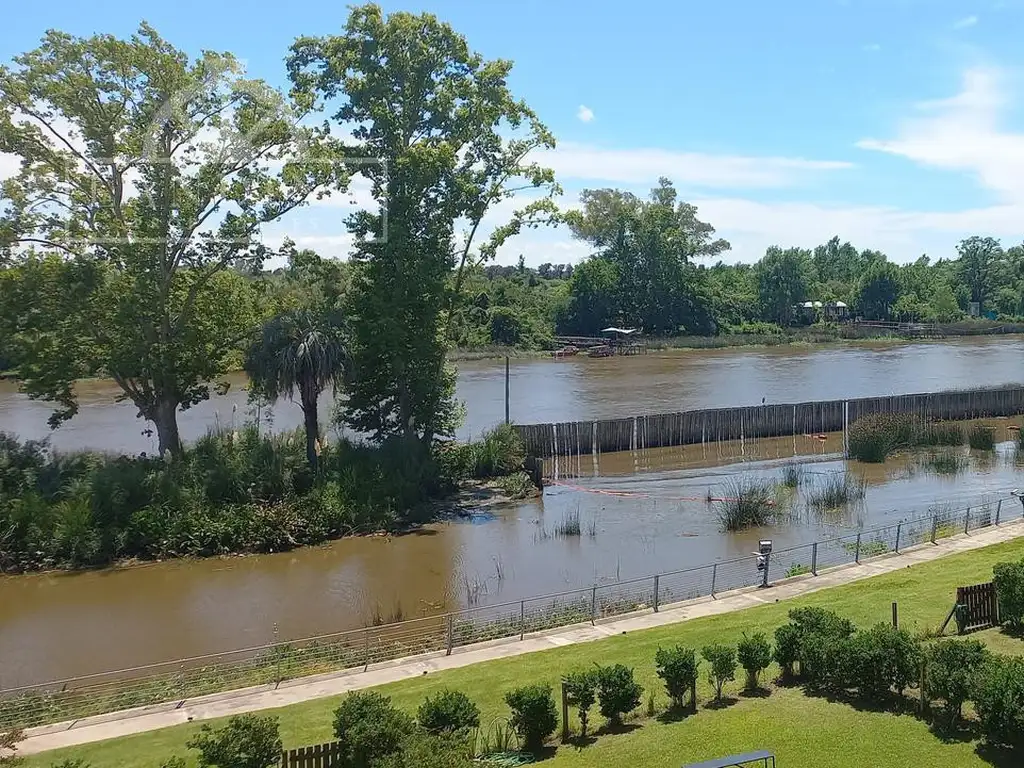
(298, 350)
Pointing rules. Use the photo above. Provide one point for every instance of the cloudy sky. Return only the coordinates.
(896, 124)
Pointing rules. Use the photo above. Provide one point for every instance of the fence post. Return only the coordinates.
(593, 606)
(565, 714)
(714, 578)
(895, 615)
(366, 649)
(655, 593)
(967, 521)
(899, 530)
(814, 559)
(277, 653)
(935, 527)
(451, 634)
(856, 555)
(522, 619)
(999, 508)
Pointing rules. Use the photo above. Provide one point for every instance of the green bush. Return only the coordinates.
(533, 714)
(369, 729)
(722, 662)
(954, 667)
(787, 648)
(677, 667)
(999, 701)
(447, 712)
(746, 503)
(879, 660)
(617, 692)
(755, 654)
(247, 741)
(872, 438)
(820, 633)
(581, 692)
(423, 750)
(1009, 581)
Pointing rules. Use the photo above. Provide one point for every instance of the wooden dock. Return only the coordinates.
(640, 432)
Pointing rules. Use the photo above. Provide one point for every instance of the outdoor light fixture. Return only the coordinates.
(764, 551)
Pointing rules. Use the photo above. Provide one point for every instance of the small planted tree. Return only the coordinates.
(954, 669)
(787, 648)
(448, 712)
(755, 654)
(617, 692)
(533, 714)
(369, 729)
(581, 691)
(999, 701)
(677, 667)
(247, 741)
(1009, 581)
(879, 661)
(722, 666)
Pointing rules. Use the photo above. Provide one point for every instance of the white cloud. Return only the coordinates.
(645, 165)
(965, 22)
(585, 113)
(962, 133)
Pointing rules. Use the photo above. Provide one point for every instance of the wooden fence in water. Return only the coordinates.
(572, 438)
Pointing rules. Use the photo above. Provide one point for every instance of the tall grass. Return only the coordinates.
(873, 438)
(981, 438)
(747, 504)
(836, 492)
(792, 475)
(944, 463)
(941, 433)
(569, 526)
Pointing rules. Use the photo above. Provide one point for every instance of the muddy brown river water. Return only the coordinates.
(656, 517)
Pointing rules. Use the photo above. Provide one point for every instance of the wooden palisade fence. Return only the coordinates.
(318, 756)
(718, 424)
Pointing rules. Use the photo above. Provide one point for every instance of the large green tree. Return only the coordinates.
(783, 280)
(653, 244)
(442, 140)
(150, 174)
(980, 267)
(878, 291)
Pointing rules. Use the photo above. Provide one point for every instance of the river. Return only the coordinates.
(656, 517)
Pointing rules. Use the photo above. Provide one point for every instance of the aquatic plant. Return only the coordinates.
(746, 503)
(945, 463)
(873, 438)
(569, 525)
(940, 433)
(792, 475)
(981, 438)
(836, 491)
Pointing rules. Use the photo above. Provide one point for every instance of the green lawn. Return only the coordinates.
(803, 731)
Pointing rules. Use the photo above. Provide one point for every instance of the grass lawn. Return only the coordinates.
(802, 731)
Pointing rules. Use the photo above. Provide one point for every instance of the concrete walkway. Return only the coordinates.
(308, 688)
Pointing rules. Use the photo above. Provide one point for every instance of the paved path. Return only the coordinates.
(308, 688)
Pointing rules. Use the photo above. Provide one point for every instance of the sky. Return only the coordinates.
(895, 124)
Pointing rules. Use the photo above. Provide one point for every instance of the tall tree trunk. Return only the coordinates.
(165, 416)
(312, 424)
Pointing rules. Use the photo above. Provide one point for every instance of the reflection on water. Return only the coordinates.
(639, 514)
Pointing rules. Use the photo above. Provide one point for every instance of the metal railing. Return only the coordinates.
(173, 682)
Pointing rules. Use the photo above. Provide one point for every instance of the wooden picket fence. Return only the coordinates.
(317, 756)
(982, 606)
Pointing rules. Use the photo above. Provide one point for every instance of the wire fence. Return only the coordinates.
(172, 683)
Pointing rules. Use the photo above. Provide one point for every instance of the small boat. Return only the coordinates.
(567, 351)
(602, 351)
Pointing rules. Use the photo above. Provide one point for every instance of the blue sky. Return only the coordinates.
(896, 124)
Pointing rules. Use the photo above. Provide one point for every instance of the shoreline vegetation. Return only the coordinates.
(237, 492)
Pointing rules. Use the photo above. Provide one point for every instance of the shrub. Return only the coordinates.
(9, 739)
(879, 660)
(678, 668)
(819, 634)
(423, 750)
(617, 692)
(746, 504)
(954, 667)
(533, 714)
(448, 712)
(755, 654)
(999, 701)
(836, 492)
(872, 438)
(722, 660)
(981, 438)
(942, 433)
(247, 741)
(581, 691)
(1009, 581)
(787, 648)
(369, 729)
